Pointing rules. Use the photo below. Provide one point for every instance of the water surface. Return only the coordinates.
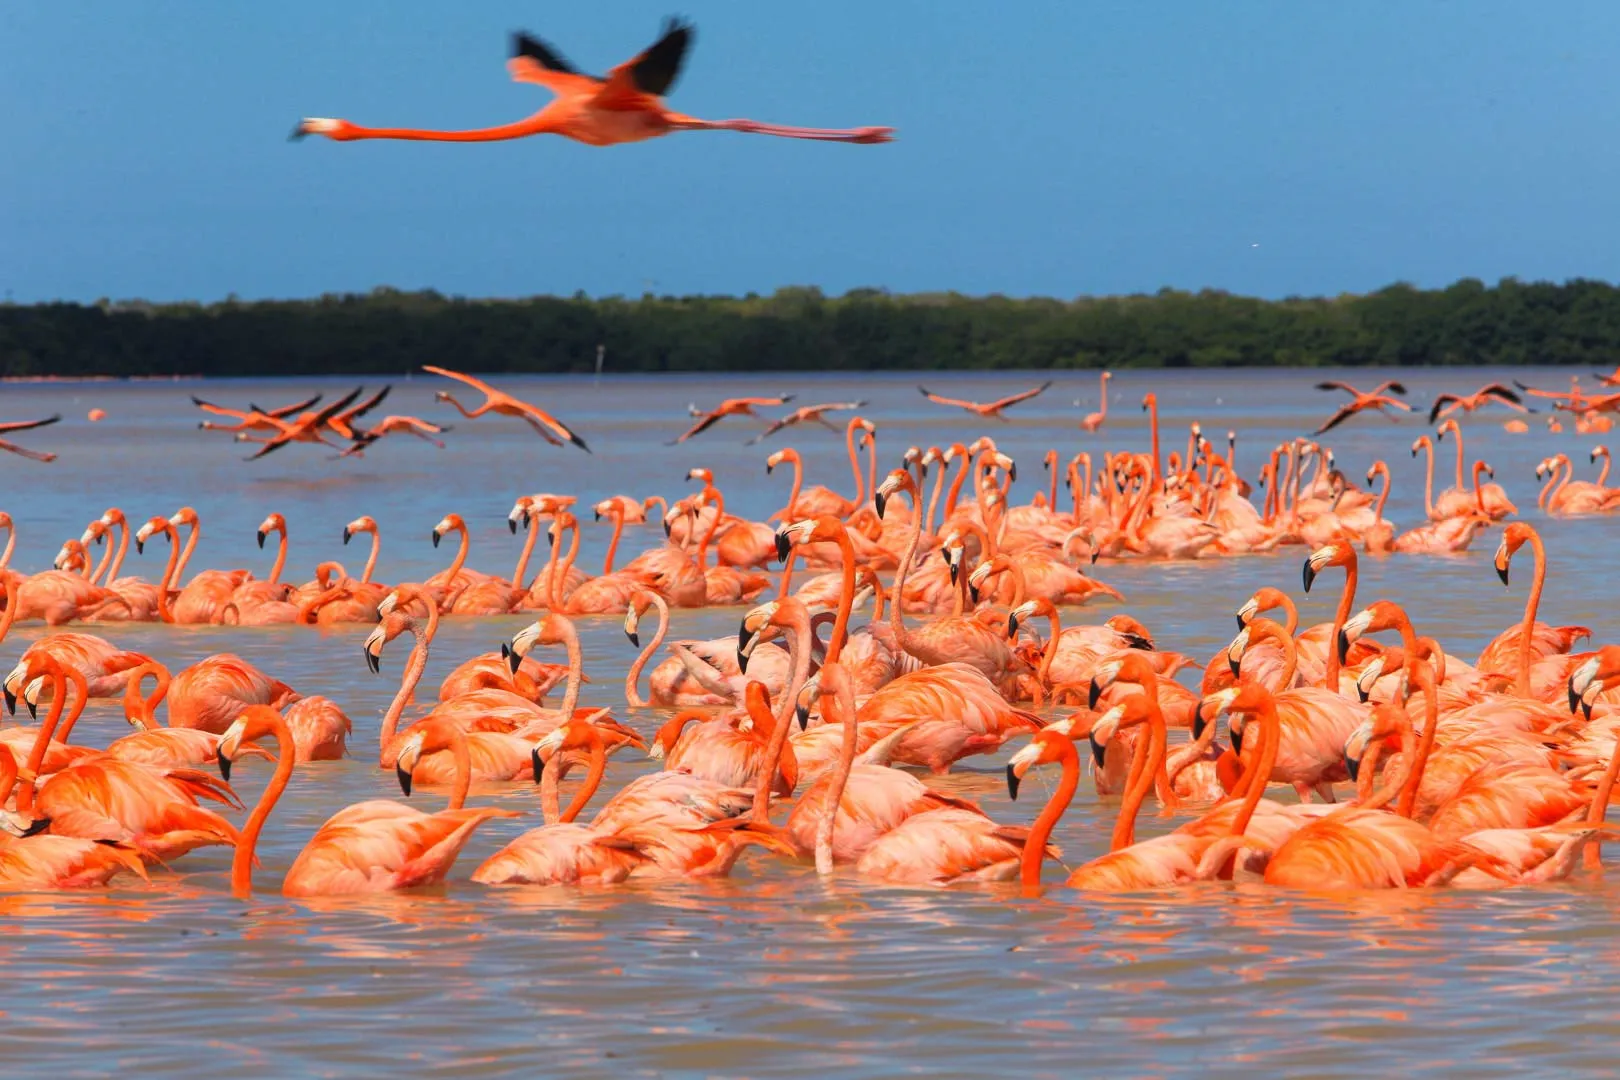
(770, 973)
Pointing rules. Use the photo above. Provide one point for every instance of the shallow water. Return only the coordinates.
(771, 973)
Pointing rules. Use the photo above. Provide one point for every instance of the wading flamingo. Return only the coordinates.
(1095, 420)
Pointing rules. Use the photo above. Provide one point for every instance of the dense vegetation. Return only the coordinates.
(389, 331)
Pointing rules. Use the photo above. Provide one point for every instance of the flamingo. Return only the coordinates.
(728, 407)
(210, 694)
(1376, 398)
(1446, 404)
(372, 846)
(37, 861)
(27, 425)
(262, 603)
(254, 419)
(151, 744)
(988, 408)
(306, 427)
(396, 425)
(105, 667)
(807, 414)
(1489, 498)
(503, 404)
(1095, 420)
(624, 107)
(814, 502)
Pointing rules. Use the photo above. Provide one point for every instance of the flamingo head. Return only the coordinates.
(252, 723)
(700, 474)
(392, 625)
(554, 629)
(1027, 610)
(1333, 554)
(1373, 670)
(1235, 651)
(774, 460)
(340, 130)
(358, 525)
(755, 628)
(146, 532)
(448, 523)
(1046, 747)
(274, 523)
(1513, 538)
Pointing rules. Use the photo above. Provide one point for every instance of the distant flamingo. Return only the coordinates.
(1376, 398)
(554, 431)
(626, 106)
(1446, 404)
(729, 407)
(1095, 420)
(988, 408)
(807, 414)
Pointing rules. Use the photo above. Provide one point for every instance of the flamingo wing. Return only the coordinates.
(1338, 418)
(533, 61)
(1025, 396)
(1544, 393)
(1441, 402)
(937, 400)
(1505, 396)
(1336, 385)
(289, 410)
(1389, 386)
(28, 425)
(554, 424)
(476, 384)
(708, 421)
(653, 71)
(220, 410)
(32, 455)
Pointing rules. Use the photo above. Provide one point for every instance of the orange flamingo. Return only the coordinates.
(27, 425)
(372, 846)
(1376, 398)
(254, 419)
(306, 427)
(210, 694)
(1379, 539)
(551, 429)
(814, 502)
(105, 667)
(728, 407)
(624, 107)
(1446, 404)
(396, 425)
(1095, 420)
(988, 408)
(35, 861)
(151, 744)
(266, 602)
(807, 414)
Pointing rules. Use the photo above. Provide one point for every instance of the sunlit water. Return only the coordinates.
(771, 973)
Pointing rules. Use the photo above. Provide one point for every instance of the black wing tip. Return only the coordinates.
(526, 44)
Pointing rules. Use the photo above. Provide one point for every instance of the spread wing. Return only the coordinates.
(367, 405)
(937, 400)
(1391, 387)
(652, 72)
(476, 384)
(533, 61)
(701, 426)
(1497, 390)
(217, 410)
(1544, 393)
(1337, 418)
(1346, 387)
(288, 410)
(29, 425)
(752, 401)
(1025, 396)
(556, 425)
(1441, 402)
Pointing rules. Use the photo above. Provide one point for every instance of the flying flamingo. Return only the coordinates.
(373, 846)
(396, 425)
(306, 427)
(807, 414)
(1446, 404)
(989, 408)
(1376, 398)
(624, 107)
(27, 425)
(254, 419)
(1095, 420)
(551, 429)
(728, 407)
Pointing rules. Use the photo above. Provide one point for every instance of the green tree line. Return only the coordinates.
(795, 329)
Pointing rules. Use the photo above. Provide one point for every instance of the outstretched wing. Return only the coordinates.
(476, 384)
(1346, 387)
(777, 425)
(1391, 387)
(653, 71)
(556, 425)
(29, 425)
(217, 410)
(937, 400)
(698, 428)
(1544, 393)
(1497, 390)
(752, 401)
(288, 410)
(1441, 402)
(1337, 418)
(31, 455)
(370, 403)
(1025, 396)
(533, 61)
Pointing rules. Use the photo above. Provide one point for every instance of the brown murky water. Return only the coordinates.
(771, 973)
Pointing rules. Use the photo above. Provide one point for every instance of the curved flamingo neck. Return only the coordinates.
(617, 515)
(171, 575)
(1153, 423)
(414, 667)
(123, 549)
(1341, 615)
(531, 524)
(791, 513)
(933, 500)
(1431, 721)
(1428, 479)
(846, 596)
(955, 491)
(1143, 768)
(81, 698)
(463, 764)
(557, 601)
(1383, 497)
(42, 743)
(9, 585)
(855, 462)
(711, 494)
(799, 645)
(1264, 761)
(597, 754)
(896, 616)
(281, 557)
(632, 679)
(460, 559)
(11, 545)
(371, 560)
(185, 556)
(1043, 677)
(1029, 861)
(1528, 628)
(1461, 483)
(845, 710)
(104, 566)
(576, 669)
(242, 860)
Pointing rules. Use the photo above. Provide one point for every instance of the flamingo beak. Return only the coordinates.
(1309, 575)
(510, 655)
(537, 764)
(1093, 696)
(1012, 623)
(1574, 698)
(140, 546)
(1012, 472)
(435, 537)
(635, 638)
(261, 539)
(1199, 723)
(1099, 752)
(346, 535)
(372, 661)
(743, 640)
(404, 776)
(1352, 766)
(511, 526)
(11, 702)
(1012, 782)
(879, 501)
(224, 768)
(1502, 572)
(973, 592)
(802, 711)
(784, 546)
(33, 708)
(298, 133)
(1344, 646)
(1236, 734)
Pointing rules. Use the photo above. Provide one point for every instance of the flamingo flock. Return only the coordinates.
(888, 635)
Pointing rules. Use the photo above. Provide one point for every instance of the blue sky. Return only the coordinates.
(1044, 148)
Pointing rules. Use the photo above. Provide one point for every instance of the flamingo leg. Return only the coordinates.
(31, 455)
(754, 127)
